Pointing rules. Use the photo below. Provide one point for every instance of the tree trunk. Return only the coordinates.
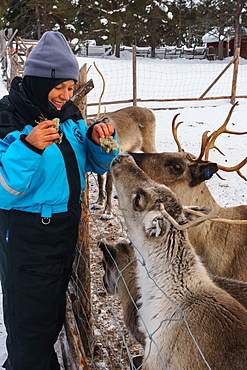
(153, 36)
(118, 40)
(38, 20)
(220, 50)
(117, 50)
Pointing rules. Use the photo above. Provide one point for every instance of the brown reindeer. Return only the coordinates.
(191, 323)
(120, 278)
(135, 129)
(120, 268)
(222, 246)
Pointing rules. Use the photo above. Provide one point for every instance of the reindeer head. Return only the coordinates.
(182, 167)
(149, 208)
(115, 260)
(169, 168)
(208, 143)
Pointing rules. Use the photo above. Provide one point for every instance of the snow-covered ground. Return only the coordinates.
(198, 117)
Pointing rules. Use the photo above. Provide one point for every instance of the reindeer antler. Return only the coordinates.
(188, 224)
(98, 117)
(211, 144)
(201, 218)
(204, 144)
(175, 132)
(208, 143)
(235, 168)
(222, 129)
(215, 218)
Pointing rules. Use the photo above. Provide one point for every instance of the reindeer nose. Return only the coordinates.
(122, 159)
(119, 158)
(116, 160)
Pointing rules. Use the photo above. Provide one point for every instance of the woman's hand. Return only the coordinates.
(43, 134)
(102, 130)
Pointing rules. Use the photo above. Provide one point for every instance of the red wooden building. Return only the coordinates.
(212, 41)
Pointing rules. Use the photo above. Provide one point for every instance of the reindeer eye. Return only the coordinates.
(137, 200)
(177, 168)
(140, 200)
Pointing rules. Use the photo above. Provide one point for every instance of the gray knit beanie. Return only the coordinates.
(52, 57)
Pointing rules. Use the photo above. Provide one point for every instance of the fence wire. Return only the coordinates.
(113, 346)
(161, 81)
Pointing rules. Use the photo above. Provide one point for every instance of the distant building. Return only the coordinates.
(211, 41)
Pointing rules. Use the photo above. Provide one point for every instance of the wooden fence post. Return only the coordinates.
(235, 76)
(10, 67)
(134, 76)
(82, 304)
(218, 77)
(2, 49)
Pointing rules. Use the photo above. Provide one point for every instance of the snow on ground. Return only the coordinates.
(198, 117)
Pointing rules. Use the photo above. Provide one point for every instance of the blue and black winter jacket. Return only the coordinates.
(43, 181)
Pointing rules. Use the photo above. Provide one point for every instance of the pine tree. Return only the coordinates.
(34, 17)
(222, 18)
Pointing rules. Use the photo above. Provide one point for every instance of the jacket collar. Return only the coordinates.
(26, 112)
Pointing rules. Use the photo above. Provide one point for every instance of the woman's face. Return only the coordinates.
(60, 94)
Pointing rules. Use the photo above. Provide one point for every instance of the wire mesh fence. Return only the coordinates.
(100, 315)
(113, 346)
(162, 82)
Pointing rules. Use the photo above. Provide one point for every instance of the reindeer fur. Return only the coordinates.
(192, 323)
(120, 278)
(135, 129)
(222, 247)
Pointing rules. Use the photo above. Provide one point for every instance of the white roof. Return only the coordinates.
(213, 35)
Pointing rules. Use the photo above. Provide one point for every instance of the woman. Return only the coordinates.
(42, 175)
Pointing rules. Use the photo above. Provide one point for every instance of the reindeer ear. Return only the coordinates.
(155, 225)
(108, 251)
(201, 172)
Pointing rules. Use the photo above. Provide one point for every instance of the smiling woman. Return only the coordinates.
(60, 94)
(38, 221)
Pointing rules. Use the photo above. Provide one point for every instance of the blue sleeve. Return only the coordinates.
(98, 160)
(18, 163)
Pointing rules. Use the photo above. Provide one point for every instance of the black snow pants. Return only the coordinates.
(35, 268)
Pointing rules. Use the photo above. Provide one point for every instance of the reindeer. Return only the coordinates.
(191, 323)
(120, 278)
(222, 246)
(135, 129)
